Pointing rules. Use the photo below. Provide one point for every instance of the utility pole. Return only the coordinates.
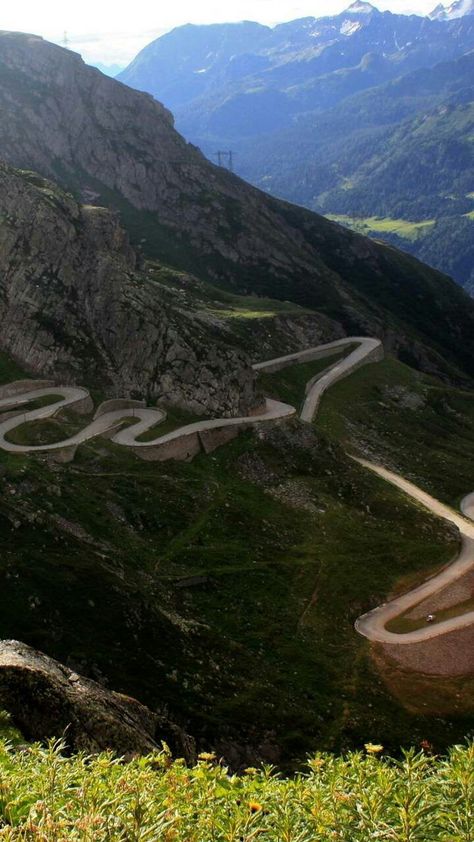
(65, 41)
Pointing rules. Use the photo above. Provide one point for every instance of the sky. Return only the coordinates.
(113, 32)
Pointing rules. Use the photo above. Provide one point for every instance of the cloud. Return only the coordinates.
(110, 48)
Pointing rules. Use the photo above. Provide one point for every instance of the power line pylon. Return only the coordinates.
(225, 159)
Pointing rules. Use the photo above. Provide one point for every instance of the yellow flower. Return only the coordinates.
(342, 796)
(373, 748)
(208, 756)
(255, 807)
(316, 763)
(251, 770)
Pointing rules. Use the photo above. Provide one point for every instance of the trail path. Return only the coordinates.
(111, 419)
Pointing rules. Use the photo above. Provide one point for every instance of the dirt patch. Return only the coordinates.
(420, 693)
(449, 654)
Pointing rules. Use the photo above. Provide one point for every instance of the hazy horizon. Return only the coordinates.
(110, 35)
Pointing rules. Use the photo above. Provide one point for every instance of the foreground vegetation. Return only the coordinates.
(45, 796)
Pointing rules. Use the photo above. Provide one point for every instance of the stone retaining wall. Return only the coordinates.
(212, 439)
(449, 654)
(118, 403)
(10, 390)
(299, 357)
(183, 449)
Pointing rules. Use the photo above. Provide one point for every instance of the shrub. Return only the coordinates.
(420, 798)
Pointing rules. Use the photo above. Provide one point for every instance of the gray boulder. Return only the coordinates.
(47, 699)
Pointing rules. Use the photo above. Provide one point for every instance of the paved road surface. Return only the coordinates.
(372, 625)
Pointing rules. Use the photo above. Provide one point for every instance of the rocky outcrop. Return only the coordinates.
(46, 699)
(74, 306)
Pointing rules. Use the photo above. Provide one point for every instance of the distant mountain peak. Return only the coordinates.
(360, 7)
(458, 9)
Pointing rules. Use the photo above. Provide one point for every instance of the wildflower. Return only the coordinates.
(316, 763)
(373, 748)
(426, 745)
(255, 807)
(207, 756)
(250, 770)
(342, 796)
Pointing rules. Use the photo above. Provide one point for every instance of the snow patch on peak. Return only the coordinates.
(458, 9)
(360, 7)
(349, 27)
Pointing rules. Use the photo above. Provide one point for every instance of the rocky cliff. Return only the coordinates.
(73, 305)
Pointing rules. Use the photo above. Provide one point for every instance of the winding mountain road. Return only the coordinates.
(373, 624)
(109, 418)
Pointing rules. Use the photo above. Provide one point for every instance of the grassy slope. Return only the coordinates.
(289, 384)
(425, 430)
(9, 370)
(415, 424)
(175, 418)
(375, 225)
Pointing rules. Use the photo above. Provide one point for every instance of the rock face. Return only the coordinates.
(46, 699)
(73, 306)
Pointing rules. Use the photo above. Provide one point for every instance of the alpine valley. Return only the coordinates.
(366, 117)
(230, 427)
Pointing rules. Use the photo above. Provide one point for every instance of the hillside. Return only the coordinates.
(75, 305)
(220, 591)
(223, 591)
(187, 213)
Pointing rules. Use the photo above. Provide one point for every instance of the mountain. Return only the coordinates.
(109, 69)
(395, 161)
(184, 67)
(316, 106)
(231, 81)
(115, 146)
(458, 9)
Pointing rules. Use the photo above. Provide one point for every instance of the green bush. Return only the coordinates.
(364, 796)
